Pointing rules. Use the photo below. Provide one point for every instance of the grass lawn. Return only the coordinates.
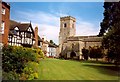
(56, 69)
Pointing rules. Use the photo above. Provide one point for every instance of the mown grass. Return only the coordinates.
(56, 69)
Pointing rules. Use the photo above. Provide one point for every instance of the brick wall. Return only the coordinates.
(6, 19)
(36, 36)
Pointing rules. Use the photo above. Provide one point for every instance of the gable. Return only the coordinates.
(16, 28)
(29, 29)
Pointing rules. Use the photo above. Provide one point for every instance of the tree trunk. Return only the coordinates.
(96, 59)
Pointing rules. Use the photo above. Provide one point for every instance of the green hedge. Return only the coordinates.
(16, 60)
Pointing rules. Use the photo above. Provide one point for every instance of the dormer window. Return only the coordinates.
(16, 31)
(16, 28)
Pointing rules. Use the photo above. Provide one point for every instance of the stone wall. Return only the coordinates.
(69, 43)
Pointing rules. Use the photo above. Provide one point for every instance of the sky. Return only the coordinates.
(46, 15)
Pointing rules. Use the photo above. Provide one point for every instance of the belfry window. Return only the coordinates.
(72, 25)
(65, 25)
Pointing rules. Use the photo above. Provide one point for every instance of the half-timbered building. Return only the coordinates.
(21, 34)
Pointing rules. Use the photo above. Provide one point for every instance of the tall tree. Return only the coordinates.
(85, 53)
(51, 41)
(111, 26)
(95, 52)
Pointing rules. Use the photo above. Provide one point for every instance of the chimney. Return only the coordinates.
(36, 37)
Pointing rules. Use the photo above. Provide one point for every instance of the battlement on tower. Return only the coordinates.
(67, 18)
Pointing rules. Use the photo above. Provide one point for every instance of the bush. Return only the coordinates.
(95, 52)
(85, 53)
(10, 75)
(14, 58)
(30, 72)
(16, 62)
(39, 54)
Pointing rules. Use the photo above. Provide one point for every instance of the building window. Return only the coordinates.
(22, 40)
(65, 25)
(30, 41)
(22, 33)
(3, 11)
(2, 27)
(31, 35)
(29, 29)
(16, 31)
(28, 35)
(72, 25)
(16, 28)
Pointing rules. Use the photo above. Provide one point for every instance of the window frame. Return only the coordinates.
(65, 25)
(2, 27)
(3, 11)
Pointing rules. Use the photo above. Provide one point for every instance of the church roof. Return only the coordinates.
(67, 18)
(84, 38)
(52, 45)
(93, 39)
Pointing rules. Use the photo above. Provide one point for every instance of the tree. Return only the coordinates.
(85, 53)
(95, 52)
(51, 41)
(111, 26)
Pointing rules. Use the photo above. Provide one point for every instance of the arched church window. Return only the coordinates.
(72, 46)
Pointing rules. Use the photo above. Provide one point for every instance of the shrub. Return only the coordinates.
(10, 75)
(95, 52)
(85, 53)
(14, 58)
(30, 71)
(20, 62)
(35, 75)
(39, 54)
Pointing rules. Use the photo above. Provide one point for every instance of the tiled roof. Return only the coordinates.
(24, 26)
(39, 39)
(52, 45)
(6, 4)
(21, 26)
(93, 39)
(11, 33)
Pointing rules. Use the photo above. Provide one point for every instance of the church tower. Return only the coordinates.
(67, 28)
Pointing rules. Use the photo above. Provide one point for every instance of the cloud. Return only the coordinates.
(86, 28)
(49, 24)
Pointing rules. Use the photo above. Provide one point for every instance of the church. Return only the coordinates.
(70, 45)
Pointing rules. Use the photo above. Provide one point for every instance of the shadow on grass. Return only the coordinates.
(97, 62)
(105, 69)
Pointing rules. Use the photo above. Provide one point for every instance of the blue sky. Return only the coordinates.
(46, 16)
